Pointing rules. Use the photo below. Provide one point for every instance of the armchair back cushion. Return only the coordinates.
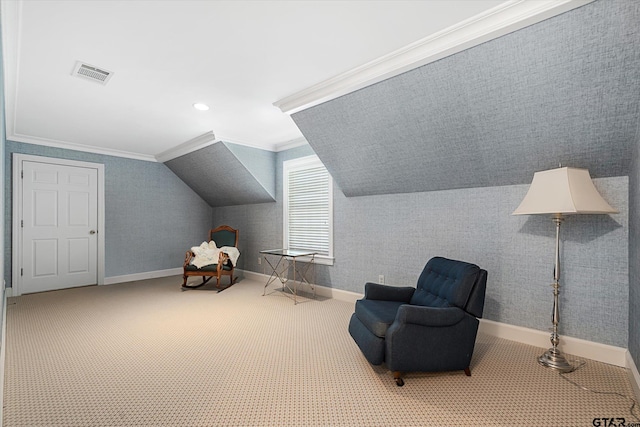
(445, 283)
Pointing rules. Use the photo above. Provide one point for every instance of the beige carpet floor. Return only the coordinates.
(148, 354)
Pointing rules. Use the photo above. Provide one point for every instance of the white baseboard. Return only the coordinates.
(322, 291)
(612, 355)
(634, 376)
(571, 346)
(142, 276)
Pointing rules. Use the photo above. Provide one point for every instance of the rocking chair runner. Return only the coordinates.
(222, 236)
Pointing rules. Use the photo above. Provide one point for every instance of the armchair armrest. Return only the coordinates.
(377, 291)
(429, 316)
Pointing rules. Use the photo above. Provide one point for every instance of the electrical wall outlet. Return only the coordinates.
(381, 279)
(259, 260)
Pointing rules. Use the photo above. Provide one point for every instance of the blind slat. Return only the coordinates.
(308, 209)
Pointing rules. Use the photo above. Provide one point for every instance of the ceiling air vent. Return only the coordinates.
(92, 73)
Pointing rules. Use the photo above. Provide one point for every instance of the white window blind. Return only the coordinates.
(308, 206)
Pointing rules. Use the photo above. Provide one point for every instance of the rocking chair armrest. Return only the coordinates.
(188, 257)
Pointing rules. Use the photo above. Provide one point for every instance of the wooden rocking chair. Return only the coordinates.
(222, 236)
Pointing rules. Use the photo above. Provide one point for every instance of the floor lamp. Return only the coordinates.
(559, 192)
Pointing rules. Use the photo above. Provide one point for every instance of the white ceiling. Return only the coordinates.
(239, 57)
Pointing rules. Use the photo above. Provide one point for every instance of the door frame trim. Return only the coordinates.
(16, 245)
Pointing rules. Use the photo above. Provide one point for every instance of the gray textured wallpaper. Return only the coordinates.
(395, 235)
(634, 253)
(561, 91)
(260, 163)
(151, 217)
(225, 174)
(3, 140)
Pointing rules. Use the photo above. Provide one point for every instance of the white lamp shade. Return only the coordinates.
(563, 191)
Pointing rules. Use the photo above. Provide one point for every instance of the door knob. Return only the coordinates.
(93, 232)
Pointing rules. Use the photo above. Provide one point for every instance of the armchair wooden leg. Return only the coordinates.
(467, 371)
(397, 375)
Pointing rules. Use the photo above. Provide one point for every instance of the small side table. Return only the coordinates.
(288, 259)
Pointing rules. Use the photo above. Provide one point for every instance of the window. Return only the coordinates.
(308, 207)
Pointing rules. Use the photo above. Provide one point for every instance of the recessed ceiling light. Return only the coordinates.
(200, 106)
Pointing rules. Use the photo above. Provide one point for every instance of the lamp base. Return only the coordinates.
(554, 359)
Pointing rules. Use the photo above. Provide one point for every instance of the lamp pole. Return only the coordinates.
(553, 357)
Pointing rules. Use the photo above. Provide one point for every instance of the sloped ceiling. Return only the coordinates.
(563, 91)
(226, 174)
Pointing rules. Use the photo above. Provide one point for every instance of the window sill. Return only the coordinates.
(318, 259)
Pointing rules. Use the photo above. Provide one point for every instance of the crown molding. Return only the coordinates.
(187, 147)
(294, 143)
(209, 138)
(503, 19)
(79, 147)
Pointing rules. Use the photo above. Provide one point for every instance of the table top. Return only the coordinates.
(288, 252)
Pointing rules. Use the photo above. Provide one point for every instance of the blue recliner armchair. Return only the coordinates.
(429, 328)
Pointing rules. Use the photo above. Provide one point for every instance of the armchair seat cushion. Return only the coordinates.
(377, 315)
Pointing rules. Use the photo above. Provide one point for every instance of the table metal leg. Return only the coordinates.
(275, 274)
(280, 271)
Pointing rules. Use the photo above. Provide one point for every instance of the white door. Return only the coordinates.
(59, 226)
